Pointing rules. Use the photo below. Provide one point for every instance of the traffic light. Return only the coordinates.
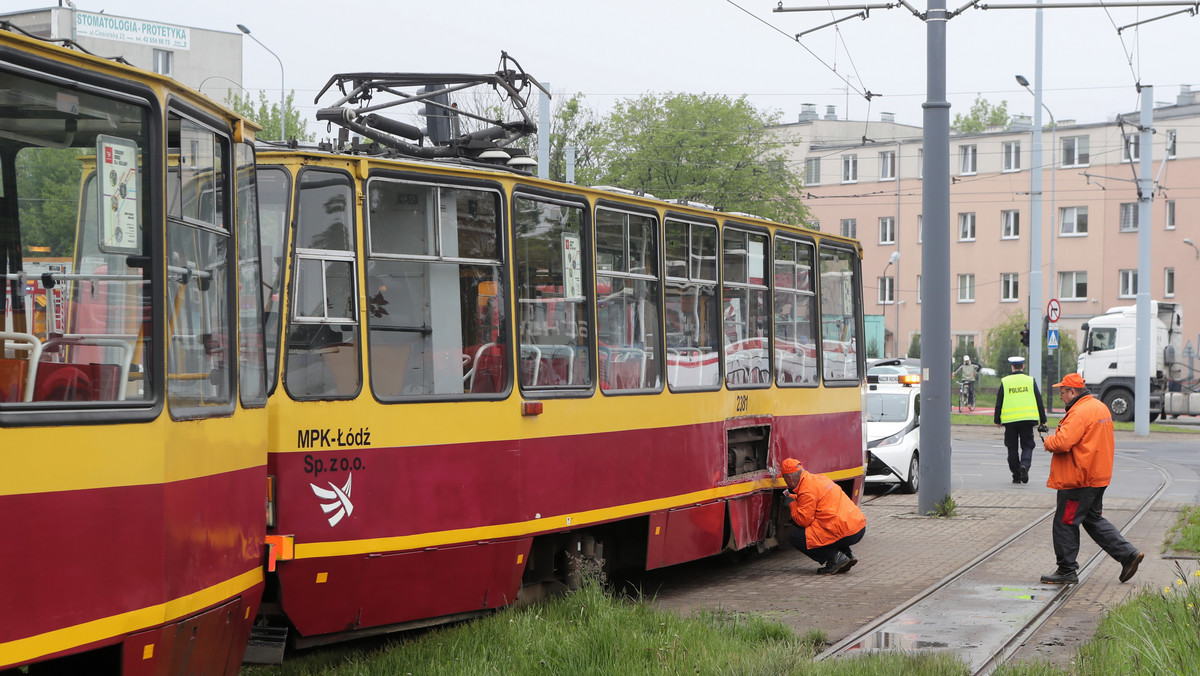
(1025, 336)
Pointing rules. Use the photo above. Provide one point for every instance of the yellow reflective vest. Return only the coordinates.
(1019, 403)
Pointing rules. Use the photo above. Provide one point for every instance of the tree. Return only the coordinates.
(48, 182)
(267, 115)
(982, 116)
(709, 149)
(1004, 341)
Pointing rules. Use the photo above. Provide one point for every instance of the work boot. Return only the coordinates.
(1130, 566)
(836, 564)
(1060, 577)
(1017, 477)
(1024, 475)
(849, 565)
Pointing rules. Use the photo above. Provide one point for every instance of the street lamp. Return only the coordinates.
(896, 302)
(1192, 244)
(282, 99)
(1036, 203)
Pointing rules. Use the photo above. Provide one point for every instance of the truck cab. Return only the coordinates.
(1108, 360)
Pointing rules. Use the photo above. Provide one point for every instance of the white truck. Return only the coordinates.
(1107, 362)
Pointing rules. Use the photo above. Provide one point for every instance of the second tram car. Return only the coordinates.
(483, 380)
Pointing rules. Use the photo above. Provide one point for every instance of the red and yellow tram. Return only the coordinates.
(132, 393)
(487, 381)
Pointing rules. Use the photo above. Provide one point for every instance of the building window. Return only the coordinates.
(1009, 287)
(966, 226)
(1075, 151)
(1170, 214)
(815, 224)
(967, 156)
(1072, 221)
(849, 168)
(1011, 228)
(1129, 217)
(1131, 147)
(1128, 288)
(966, 288)
(887, 230)
(920, 227)
(1072, 285)
(964, 342)
(918, 289)
(920, 163)
(1012, 156)
(850, 228)
(163, 61)
(1170, 144)
(1169, 282)
(812, 171)
(887, 290)
(887, 165)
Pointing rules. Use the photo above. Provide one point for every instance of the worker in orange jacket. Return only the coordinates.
(828, 520)
(1083, 447)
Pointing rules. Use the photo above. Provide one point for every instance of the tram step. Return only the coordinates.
(266, 645)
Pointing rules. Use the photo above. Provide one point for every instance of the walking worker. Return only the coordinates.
(1019, 408)
(828, 522)
(1080, 469)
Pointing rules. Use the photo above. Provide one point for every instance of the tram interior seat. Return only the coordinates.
(549, 364)
(486, 370)
(12, 378)
(622, 368)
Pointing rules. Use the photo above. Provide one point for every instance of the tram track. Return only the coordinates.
(977, 580)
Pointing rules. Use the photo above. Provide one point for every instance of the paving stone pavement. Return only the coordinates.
(904, 554)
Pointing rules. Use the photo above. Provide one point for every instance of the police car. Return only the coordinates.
(893, 418)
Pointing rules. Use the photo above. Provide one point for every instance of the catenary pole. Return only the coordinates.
(1035, 222)
(1145, 187)
(935, 266)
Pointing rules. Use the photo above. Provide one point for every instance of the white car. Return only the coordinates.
(893, 430)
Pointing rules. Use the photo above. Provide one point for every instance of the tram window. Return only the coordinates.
(795, 330)
(83, 305)
(435, 312)
(627, 305)
(200, 343)
(274, 190)
(746, 317)
(322, 341)
(554, 325)
(840, 313)
(251, 357)
(691, 313)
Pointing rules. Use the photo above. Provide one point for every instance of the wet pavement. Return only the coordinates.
(905, 555)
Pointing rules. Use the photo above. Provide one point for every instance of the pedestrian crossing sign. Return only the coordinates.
(1052, 339)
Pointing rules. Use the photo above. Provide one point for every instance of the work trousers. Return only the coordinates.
(1023, 431)
(823, 554)
(1085, 506)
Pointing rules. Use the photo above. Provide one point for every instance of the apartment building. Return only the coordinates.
(863, 179)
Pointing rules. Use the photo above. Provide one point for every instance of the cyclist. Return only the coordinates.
(968, 373)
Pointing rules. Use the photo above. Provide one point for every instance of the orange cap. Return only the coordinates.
(791, 465)
(1072, 380)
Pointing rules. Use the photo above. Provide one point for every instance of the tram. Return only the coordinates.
(132, 380)
(484, 383)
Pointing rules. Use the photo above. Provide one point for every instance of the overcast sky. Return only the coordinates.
(608, 49)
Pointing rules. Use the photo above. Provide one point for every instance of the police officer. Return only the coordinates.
(1019, 408)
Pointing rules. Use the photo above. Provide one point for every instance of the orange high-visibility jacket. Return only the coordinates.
(1083, 446)
(824, 510)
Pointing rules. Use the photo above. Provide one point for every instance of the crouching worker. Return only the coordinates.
(828, 522)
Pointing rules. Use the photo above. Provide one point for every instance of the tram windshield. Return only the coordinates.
(74, 249)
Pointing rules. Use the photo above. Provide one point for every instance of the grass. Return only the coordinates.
(591, 631)
(986, 421)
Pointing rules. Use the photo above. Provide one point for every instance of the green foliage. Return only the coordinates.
(1004, 341)
(48, 182)
(266, 114)
(1185, 534)
(914, 347)
(982, 116)
(709, 149)
(947, 507)
(576, 126)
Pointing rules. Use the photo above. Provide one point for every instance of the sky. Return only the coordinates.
(613, 49)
